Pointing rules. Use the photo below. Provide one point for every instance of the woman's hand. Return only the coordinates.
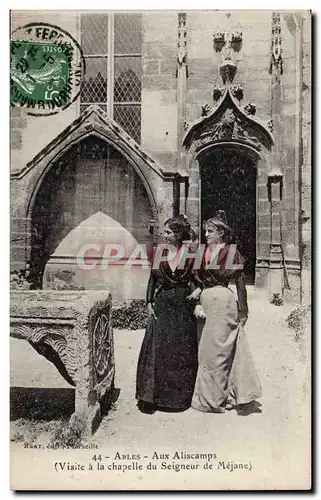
(199, 312)
(243, 320)
(194, 295)
(151, 312)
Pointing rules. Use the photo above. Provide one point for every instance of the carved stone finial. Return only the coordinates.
(218, 41)
(276, 44)
(270, 125)
(250, 108)
(236, 40)
(237, 91)
(206, 108)
(182, 42)
(228, 71)
(218, 91)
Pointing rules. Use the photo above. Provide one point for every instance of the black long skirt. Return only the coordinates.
(167, 364)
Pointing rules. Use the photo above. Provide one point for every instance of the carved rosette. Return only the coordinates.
(102, 346)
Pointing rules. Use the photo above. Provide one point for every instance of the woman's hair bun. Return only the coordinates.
(221, 215)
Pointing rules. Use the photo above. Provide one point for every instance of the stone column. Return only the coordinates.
(276, 278)
(182, 75)
(275, 176)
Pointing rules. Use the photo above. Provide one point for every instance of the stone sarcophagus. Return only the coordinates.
(73, 330)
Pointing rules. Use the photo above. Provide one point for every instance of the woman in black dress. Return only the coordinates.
(167, 363)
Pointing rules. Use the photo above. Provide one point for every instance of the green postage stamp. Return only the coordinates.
(39, 74)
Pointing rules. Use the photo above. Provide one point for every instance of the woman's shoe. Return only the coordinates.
(145, 407)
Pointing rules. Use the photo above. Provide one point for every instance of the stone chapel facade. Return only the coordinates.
(179, 112)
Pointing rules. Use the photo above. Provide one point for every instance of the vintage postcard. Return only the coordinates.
(160, 286)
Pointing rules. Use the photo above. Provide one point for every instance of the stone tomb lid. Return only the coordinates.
(66, 304)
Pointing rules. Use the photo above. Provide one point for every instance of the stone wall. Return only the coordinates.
(159, 99)
(306, 191)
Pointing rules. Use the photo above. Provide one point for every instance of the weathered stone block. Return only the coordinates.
(16, 139)
(168, 67)
(18, 122)
(151, 66)
(152, 82)
(73, 330)
(262, 191)
(263, 249)
(264, 235)
(17, 256)
(157, 50)
(193, 206)
(168, 97)
(264, 207)
(193, 190)
(18, 224)
(264, 221)
(15, 112)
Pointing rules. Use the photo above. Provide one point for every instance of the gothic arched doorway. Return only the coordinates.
(228, 182)
(93, 196)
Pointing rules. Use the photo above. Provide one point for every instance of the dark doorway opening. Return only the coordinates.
(228, 182)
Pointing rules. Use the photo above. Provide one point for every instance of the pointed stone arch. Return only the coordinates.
(229, 123)
(94, 122)
(232, 128)
(93, 125)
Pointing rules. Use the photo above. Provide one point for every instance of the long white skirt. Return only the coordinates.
(226, 369)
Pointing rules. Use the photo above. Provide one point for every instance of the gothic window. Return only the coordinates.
(112, 47)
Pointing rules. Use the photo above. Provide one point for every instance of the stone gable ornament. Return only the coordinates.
(185, 126)
(228, 71)
(237, 91)
(218, 41)
(236, 40)
(218, 92)
(270, 125)
(228, 121)
(250, 108)
(206, 108)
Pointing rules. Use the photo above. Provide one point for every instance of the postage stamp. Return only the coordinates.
(46, 69)
(39, 74)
